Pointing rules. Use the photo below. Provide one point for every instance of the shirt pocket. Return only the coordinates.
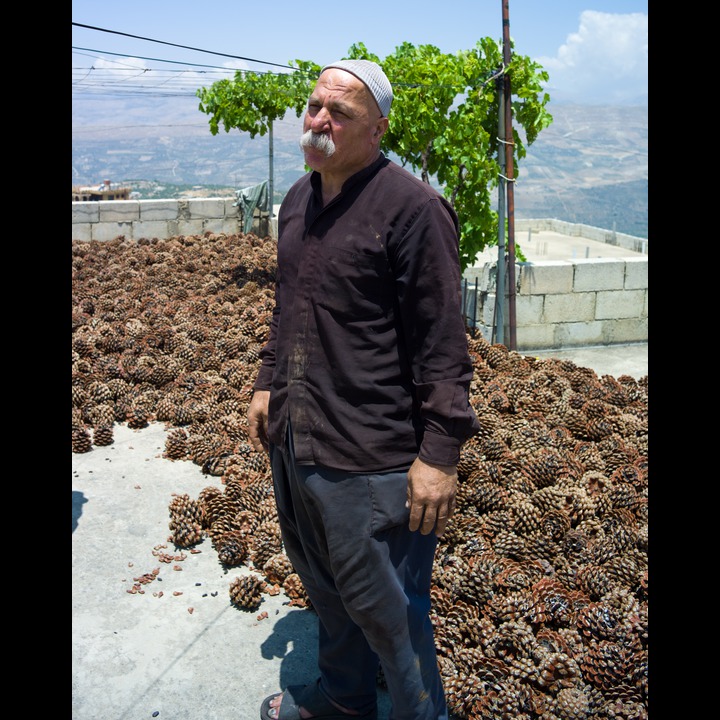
(354, 285)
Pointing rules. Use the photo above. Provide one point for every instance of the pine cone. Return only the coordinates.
(186, 533)
(232, 548)
(137, 418)
(176, 444)
(99, 392)
(165, 410)
(103, 435)
(509, 544)
(246, 592)
(277, 568)
(572, 703)
(81, 442)
(258, 462)
(216, 464)
(266, 543)
(246, 522)
(102, 414)
(183, 415)
(118, 388)
(185, 521)
(123, 407)
(77, 422)
(470, 457)
(267, 510)
(295, 590)
(220, 527)
(183, 507)
(605, 664)
(254, 492)
(218, 507)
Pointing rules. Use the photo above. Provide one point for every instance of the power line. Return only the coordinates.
(127, 78)
(491, 75)
(152, 59)
(184, 47)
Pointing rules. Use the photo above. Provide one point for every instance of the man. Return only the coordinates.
(362, 402)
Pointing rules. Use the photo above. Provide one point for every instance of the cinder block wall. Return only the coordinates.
(558, 304)
(136, 219)
(565, 303)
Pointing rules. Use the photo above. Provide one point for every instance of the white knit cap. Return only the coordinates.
(374, 78)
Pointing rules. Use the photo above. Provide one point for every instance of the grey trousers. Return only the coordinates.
(368, 578)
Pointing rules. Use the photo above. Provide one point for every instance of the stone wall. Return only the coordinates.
(136, 219)
(565, 303)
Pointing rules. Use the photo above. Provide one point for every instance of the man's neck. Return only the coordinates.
(332, 183)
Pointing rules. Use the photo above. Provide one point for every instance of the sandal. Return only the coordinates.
(313, 700)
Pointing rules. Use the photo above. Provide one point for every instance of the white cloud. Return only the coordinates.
(604, 62)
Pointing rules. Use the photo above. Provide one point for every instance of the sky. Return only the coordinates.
(595, 51)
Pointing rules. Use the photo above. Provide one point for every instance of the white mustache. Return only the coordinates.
(319, 141)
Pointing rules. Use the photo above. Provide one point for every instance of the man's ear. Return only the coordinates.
(381, 127)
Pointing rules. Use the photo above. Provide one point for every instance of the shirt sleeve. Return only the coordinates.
(264, 378)
(427, 271)
(263, 381)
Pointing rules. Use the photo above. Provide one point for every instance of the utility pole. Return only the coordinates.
(271, 184)
(509, 169)
(500, 280)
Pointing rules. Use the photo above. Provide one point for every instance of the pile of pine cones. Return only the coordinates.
(540, 593)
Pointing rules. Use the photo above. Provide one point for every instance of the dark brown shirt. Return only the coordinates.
(367, 355)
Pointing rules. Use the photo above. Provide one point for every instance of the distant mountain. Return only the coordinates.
(590, 166)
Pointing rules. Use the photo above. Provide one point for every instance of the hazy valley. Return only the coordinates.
(590, 166)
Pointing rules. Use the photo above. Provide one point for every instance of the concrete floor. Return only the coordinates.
(543, 245)
(612, 360)
(180, 650)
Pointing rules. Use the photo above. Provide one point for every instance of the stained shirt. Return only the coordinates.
(367, 357)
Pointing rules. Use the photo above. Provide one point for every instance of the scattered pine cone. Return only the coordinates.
(81, 441)
(277, 568)
(295, 590)
(246, 592)
(176, 444)
(232, 548)
(103, 435)
(186, 521)
(266, 542)
(137, 418)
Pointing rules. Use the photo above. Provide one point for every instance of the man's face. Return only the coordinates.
(342, 108)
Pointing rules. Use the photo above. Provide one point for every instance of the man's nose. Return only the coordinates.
(320, 121)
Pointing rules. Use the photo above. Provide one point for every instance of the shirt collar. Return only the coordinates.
(360, 176)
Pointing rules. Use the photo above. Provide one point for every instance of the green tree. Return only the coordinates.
(443, 125)
(251, 101)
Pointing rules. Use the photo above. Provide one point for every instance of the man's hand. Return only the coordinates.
(431, 496)
(258, 420)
